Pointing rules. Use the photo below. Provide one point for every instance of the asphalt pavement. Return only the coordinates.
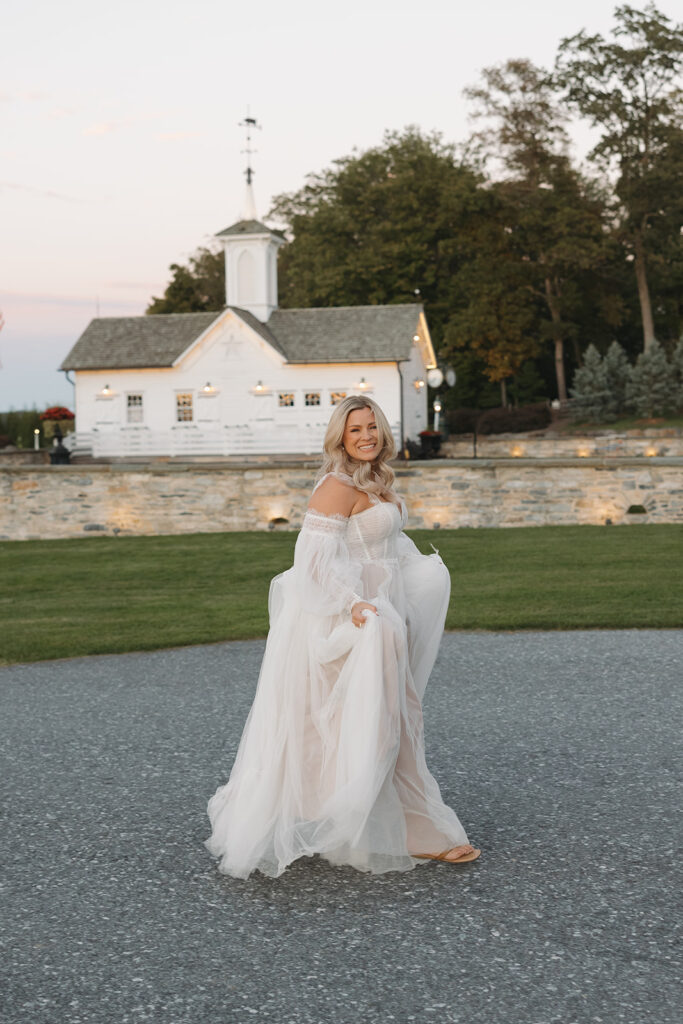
(556, 750)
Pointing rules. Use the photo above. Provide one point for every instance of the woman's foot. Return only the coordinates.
(456, 854)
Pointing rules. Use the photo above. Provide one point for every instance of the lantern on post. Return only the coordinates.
(437, 410)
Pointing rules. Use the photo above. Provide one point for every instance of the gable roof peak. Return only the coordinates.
(249, 227)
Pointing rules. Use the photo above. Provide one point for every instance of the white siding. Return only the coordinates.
(234, 419)
(415, 416)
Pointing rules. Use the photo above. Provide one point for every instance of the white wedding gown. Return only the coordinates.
(331, 760)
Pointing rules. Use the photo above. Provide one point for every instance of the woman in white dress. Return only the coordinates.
(331, 760)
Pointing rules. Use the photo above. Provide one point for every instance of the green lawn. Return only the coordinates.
(99, 595)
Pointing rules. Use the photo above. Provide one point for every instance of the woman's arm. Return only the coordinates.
(329, 508)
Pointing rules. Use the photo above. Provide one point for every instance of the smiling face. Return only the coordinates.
(361, 436)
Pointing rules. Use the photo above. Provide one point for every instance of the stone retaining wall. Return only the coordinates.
(540, 446)
(78, 501)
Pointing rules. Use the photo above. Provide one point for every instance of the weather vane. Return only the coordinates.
(249, 124)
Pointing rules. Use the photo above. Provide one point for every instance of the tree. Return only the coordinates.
(591, 398)
(495, 318)
(618, 373)
(198, 287)
(379, 226)
(17, 427)
(555, 217)
(472, 387)
(677, 363)
(528, 387)
(652, 389)
(626, 87)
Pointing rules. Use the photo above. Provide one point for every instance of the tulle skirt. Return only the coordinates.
(332, 757)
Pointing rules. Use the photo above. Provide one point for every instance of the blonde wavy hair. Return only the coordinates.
(375, 477)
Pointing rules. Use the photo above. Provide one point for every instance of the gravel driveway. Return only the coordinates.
(557, 751)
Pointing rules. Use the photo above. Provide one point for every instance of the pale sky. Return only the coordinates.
(120, 150)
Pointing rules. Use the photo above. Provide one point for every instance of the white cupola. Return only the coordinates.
(251, 266)
(251, 252)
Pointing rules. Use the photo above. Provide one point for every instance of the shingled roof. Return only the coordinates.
(134, 342)
(249, 227)
(346, 334)
(338, 334)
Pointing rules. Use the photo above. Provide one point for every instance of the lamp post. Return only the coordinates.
(36, 439)
(437, 410)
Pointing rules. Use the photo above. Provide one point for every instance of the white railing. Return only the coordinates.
(190, 439)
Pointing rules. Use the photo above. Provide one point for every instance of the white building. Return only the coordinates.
(251, 378)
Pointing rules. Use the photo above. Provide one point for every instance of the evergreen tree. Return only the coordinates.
(591, 398)
(527, 385)
(677, 363)
(618, 372)
(652, 389)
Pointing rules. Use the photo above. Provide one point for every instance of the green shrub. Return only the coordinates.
(462, 421)
(514, 421)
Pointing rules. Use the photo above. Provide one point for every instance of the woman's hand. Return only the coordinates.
(357, 617)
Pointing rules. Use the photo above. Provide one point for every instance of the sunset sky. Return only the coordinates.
(120, 150)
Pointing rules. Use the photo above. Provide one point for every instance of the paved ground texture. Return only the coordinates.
(556, 750)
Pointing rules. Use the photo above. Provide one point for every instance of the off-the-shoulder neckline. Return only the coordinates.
(345, 478)
(345, 519)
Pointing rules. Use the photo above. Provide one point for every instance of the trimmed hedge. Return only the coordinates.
(499, 421)
(462, 421)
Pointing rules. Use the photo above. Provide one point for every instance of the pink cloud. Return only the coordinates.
(45, 193)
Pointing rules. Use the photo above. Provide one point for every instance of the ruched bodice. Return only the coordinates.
(372, 535)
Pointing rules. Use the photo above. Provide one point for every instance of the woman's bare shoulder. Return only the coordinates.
(333, 496)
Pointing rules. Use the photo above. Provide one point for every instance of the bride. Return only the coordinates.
(331, 760)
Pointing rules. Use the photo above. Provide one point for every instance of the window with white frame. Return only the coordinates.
(134, 408)
(336, 397)
(183, 407)
(285, 399)
(312, 398)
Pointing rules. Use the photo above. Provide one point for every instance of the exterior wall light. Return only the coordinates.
(418, 383)
(260, 388)
(105, 392)
(364, 385)
(278, 523)
(517, 451)
(416, 337)
(651, 451)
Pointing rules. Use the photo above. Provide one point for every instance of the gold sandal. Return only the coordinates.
(469, 853)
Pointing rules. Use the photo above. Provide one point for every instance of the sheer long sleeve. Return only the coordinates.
(328, 581)
(406, 548)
